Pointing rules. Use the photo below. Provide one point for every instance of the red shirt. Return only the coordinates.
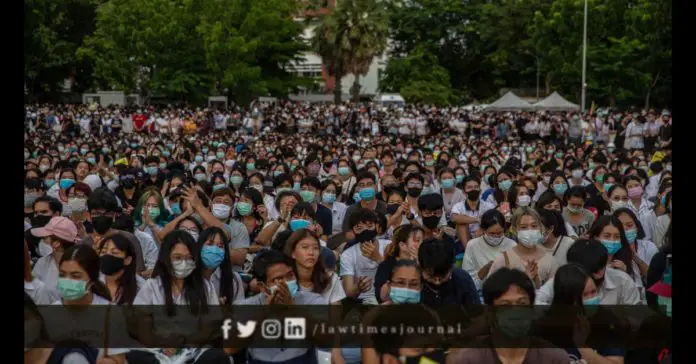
(139, 120)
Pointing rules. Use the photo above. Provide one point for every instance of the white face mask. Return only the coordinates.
(529, 238)
(615, 205)
(221, 211)
(77, 204)
(524, 200)
(183, 268)
(45, 249)
(492, 240)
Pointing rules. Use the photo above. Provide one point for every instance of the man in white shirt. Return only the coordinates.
(359, 262)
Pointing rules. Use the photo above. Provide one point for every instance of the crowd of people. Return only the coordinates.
(352, 206)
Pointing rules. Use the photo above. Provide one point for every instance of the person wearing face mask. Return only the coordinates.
(442, 282)
(576, 293)
(528, 255)
(59, 234)
(310, 193)
(577, 176)
(366, 188)
(277, 280)
(519, 196)
(128, 192)
(179, 282)
(359, 261)
(640, 205)
(466, 213)
(482, 251)
(404, 284)
(642, 248)
(217, 268)
(510, 294)
(450, 194)
(329, 192)
(45, 208)
(614, 286)
(155, 177)
(394, 348)
(661, 224)
(575, 213)
(79, 285)
(117, 269)
(432, 218)
(403, 247)
(556, 241)
(33, 189)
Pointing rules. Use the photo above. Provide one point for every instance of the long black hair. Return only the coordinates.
(624, 254)
(194, 286)
(320, 276)
(87, 259)
(569, 285)
(127, 283)
(228, 285)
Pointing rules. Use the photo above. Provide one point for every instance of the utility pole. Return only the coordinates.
(584, 59)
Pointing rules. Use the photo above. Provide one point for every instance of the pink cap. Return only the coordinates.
(59, 226)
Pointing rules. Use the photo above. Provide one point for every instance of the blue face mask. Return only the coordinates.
(400, 295)
(296, 187)
(49, 183)
(459, 178)
(328, 198)
(176, 209)
(92, 160)
(343, 171)
(308, 196)
(236, 180)
(152, 171)
(447, 183)
(277, 173)
(66, 183)
(631, 235)
(219, 186)
(594, 301)
(292, 287)
(607, 186)
(297, 224)
(560, 188)
(663, 201)
(199, 158)
(612, 246)
(367, 194)
(212, 256)
(505, 185)
(356, 197)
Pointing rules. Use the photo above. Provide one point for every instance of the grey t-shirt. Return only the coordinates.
(582, 226)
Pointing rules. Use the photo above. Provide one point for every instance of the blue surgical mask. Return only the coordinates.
(212, 256)
(66, 183)
(152, 171)
(560, 188)
(219, 186)
(292, 287)
(505, 185)
(176, 208)
(612, 246)
(308, 196)
(631, 235)
(236, 180)
(459, 178)
(92, 160)
(296, 187)
(367, 194)
(328, 198)
(400, 295)
(71, 289)
(356, 197)
(297, 224)
(343, 171)
(447, 183)
(594, 301)
(49, 183)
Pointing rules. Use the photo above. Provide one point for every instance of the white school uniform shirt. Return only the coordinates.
(40, 293)
(89, 326)
(661, 226)
(646, 250)
(355, 264)
(149, 248)
(338, 213)
(462, 208)
(478, 253)
(618, 289)
(334, 292)
(560, 250)
(238, 284)
(46, 270)
(645, 214)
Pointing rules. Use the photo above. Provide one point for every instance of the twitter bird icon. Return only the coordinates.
(245, 330)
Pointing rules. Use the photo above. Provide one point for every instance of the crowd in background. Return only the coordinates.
(354, 204)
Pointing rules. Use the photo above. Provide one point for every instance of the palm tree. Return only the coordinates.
(329, 43)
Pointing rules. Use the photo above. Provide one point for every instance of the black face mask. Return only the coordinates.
(40, 220)
(110, 265)
(366, 236)
(473, 195)
(431, 222)
(392, 207)
(128, 184)
(102, 224)
(415, 192)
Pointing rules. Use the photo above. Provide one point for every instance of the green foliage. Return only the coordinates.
(418, 78)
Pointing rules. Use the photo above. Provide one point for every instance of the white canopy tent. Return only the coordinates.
(510, 102)
(556, 102)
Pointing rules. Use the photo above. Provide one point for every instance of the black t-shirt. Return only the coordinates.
(158, 182)
(596, 200)
(133, 201)
(325, 219)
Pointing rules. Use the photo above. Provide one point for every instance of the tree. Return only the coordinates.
(418, 78)
(329, 43)
(53, 31)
